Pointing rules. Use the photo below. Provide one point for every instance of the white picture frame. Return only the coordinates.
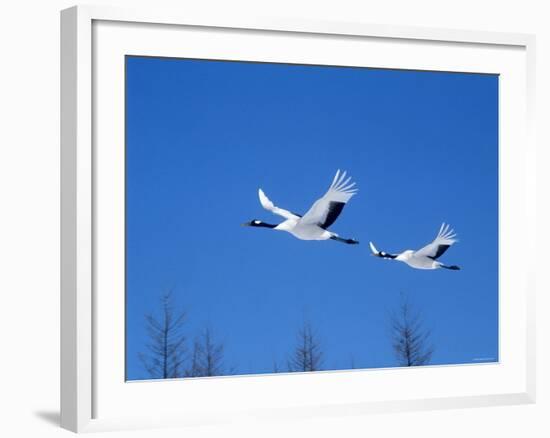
(92, 390)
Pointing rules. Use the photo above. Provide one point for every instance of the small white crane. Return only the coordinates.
(425, 258)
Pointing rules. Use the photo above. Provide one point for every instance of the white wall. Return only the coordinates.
(29, 218)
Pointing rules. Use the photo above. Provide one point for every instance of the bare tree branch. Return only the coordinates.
(307, 355)
(410, 340)
(207, 358)
(166, 346)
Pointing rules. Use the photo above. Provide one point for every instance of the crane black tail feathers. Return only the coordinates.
(348, 241)
(452, 267)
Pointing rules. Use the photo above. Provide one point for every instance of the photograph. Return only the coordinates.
(290, 218)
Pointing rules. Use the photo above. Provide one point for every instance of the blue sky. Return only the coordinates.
(203, 136)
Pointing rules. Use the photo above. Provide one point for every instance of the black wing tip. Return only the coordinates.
(334, 210)
(440, 251)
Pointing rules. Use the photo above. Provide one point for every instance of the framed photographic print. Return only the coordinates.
(282, 218)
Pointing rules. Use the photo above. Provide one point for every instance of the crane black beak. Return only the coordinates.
(245, 224)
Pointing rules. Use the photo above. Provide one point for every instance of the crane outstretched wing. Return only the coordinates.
(327, 209)
(269, 206)
(445, 238)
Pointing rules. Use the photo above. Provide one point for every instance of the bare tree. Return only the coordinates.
(207, 357)
(410, 340)
(307, 355)
(166, 346)
(194, 366)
